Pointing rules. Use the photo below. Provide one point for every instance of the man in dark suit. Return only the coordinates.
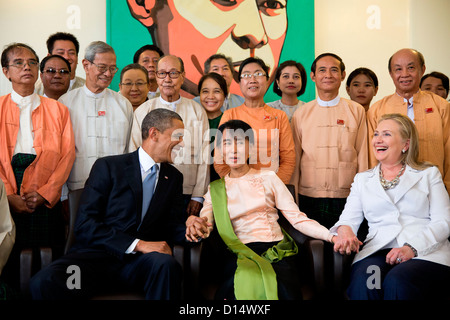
(117, 242)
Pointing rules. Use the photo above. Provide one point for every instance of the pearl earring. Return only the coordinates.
(403, 151)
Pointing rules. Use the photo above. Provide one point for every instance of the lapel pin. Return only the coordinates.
(101, 113)
(340, 122)
(428, 110)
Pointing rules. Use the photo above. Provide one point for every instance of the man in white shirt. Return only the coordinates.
(170, 76)
(101, 117)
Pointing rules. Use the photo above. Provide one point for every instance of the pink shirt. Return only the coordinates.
(252, 204)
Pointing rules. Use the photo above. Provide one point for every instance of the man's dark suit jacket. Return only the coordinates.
(109, 214)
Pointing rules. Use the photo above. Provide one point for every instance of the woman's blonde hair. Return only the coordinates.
(408, 131)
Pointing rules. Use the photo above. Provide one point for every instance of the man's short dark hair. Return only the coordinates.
(13, 47)
(150, 47)
(62, 36)
(160, 118)
(44, 61)
(328, 54)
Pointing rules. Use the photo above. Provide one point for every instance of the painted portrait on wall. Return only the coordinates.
(196, 29)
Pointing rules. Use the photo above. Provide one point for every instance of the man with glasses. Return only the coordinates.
(170, 77)
(134, 84)
(37, 150)
(101, 117)
(66, 45)
(55, 76)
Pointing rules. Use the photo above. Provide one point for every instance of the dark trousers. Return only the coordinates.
(411, 280)
(157, 275)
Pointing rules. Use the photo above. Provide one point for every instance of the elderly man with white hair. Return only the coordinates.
(101, 117)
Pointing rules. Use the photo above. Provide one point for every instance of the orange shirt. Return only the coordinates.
(432, 120)
(274, 142)
(53, 142)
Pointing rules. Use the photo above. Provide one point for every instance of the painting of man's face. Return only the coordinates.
(195, 30)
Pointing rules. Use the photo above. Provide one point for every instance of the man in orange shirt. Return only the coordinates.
(330, 135)
(37, 150)
(429, 111)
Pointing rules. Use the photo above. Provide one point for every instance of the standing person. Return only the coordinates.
(408, 211)
(362, 86)
(244, 208)
(134, 84)
(429, 112)
(55, 76)
(101, 118)
(330, 135)
(436, 82)
(170, 74)
(290, 83)
(66, 45)
(213, 90)
(128, 221)
(274, 144)
(223, 65)
(7, 238)
(148, 56)
(37, 150)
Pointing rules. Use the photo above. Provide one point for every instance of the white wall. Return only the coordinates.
(31, 22)
(362, 32)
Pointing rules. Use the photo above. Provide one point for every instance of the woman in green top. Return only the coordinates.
(213, 90)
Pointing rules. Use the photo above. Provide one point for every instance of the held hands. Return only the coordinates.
(346, 241)
(197, 228)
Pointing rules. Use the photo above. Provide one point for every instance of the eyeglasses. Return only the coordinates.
(172, 74)
(255, 75)
(62, 72)
(22, 63)
(103, 68)
(131, 84)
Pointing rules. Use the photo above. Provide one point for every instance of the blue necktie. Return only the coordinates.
(148, 187)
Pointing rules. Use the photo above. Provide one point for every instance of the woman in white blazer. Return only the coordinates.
(406, 254)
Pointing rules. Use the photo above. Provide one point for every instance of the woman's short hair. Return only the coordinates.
(217, 78)
(408, 131)
(301, 69)
(365, 71)
(239, 127)
(134, 66)
(257, 60)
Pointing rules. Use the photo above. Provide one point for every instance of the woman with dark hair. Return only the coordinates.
(213, 89)
(408, 212)
(290, 83)
(244, 206)
(275, 149)
(362, 86)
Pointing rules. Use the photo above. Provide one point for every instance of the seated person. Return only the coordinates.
(244, 206)
(408, 213)
(127, 222)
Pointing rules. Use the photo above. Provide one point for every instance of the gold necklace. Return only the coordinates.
(394, 182)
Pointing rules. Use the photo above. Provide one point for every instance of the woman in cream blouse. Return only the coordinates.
(246, 201)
